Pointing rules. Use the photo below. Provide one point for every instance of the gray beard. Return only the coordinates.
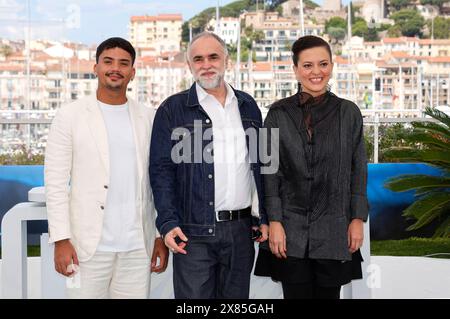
(210, 84)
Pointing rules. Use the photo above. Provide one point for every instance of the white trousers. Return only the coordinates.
(112, 275)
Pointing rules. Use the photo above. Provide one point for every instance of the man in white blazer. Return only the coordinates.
(99, 203)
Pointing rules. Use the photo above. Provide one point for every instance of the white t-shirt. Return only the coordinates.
(122, 226)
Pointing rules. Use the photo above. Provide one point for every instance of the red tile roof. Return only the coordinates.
(159, 17)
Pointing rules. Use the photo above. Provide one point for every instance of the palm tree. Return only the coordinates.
(432, 192)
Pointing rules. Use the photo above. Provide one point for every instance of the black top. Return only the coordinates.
(321, 182)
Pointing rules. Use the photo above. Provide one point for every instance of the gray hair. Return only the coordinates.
(205, 34)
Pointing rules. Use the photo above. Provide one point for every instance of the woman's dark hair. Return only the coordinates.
(112, 43)
(308, 42)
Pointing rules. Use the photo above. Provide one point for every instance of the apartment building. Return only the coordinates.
(161, 32)
(278, 39)
(268, 81)
(228, 29)
(157, 79)
(435, 79)
(413, 46)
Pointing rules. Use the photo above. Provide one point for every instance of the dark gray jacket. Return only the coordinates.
(321, 182)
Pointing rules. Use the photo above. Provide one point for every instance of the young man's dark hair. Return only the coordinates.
(308, 42)
(116, 42)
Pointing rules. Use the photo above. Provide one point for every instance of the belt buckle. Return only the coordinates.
(230, 216)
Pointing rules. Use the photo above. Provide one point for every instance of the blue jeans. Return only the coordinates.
(216, 267)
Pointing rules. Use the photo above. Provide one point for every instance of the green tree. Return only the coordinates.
(310, 4)
(253, 35)
(394, 135)
(246, 45)
(399, 4)
(22, 156)
(441, 29)
(371, 35)
(410, 22)
(394, 31)
(438, 3)
(6, 50)
(358, 19)
(199, 21)
(185, 32)
(335, 22)
(432, 146)
(279, 9)
(272, 5)
(360, 29)
(336, 33)
(352, 13)
(368, 140)
(390, 135)
(383, 27)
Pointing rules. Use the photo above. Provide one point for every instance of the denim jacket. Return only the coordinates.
(184, 191)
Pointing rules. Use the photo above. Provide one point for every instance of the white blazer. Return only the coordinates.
(77, 174)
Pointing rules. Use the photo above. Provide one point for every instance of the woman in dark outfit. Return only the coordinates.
(316, 201)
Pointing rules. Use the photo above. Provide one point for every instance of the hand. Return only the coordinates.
(65, 255)
(355, 235)
(277, 239)
(264, 229)
(169, 240)
(159, 251)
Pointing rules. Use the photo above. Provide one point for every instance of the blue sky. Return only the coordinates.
(87, 21)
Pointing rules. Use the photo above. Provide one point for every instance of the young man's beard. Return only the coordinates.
(114, 86)
(117, 87)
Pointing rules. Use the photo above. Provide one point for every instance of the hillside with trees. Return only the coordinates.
(234, 9)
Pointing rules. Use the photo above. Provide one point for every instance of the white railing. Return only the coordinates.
(14, 244)
(371, 121)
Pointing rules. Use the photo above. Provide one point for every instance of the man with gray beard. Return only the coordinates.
(206, 180)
